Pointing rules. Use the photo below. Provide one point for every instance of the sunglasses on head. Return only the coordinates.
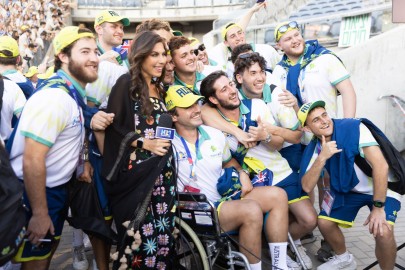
(285, 27)
(247, 55)
(200, 48)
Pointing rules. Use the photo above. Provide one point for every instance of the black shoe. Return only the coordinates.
(325, 252)
(308, 238)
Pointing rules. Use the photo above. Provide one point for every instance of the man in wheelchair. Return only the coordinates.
(202, 152)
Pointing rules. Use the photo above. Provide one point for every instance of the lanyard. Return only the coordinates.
(73, 93)
(190, 158)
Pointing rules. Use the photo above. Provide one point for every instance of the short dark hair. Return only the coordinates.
(241, 64)
(207, 85)
(68, 50)
(241, 48)
(7, 61)
(176, 43)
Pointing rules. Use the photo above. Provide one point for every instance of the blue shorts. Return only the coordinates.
(346, 214)
(96, 161)
(293, 154)
(57, 200)
(292, 187)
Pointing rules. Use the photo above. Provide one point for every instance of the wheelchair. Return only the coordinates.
(200, 244)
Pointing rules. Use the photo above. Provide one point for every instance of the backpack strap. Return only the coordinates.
(363, 165)
(1, 94)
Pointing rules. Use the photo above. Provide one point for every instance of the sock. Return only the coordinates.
(344, 256)
(256, 266)
(278, 252)
(77, 238)
(297, 242)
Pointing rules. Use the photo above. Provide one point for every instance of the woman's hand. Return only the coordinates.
(157, 146)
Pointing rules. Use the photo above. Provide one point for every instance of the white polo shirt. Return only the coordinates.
(317, 80)
(108, 74)
(13, 103)
(283, 116)
(271, 159)
(213, 151)
(52, 118)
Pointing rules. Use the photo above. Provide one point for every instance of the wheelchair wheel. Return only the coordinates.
(190, 252)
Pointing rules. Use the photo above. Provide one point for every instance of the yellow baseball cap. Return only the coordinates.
(180, 96)
(48, 73)
(194, 41)
(67, 36)
(307, 108)
(31, 72)
(110, 16)
(283, 28)
(8, 44)
(228, 27)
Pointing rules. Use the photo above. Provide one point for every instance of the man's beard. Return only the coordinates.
(79, 73)
(228, 106)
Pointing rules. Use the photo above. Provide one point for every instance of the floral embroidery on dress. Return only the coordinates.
(156, 230)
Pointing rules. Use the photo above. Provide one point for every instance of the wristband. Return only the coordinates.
(244, 170)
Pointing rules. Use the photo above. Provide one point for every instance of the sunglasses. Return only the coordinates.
(282, 29)
(247, 55)
(200, 48)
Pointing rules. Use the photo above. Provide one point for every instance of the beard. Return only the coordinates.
(227, 105)
(78, 71)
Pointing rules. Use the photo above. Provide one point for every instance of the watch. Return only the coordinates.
(378, 204)
(139, 142)
(268, 138)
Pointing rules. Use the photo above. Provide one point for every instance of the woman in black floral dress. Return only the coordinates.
(137, 100)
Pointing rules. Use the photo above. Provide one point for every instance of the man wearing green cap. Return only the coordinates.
(201, 153)
(48, 143)
(341, 145)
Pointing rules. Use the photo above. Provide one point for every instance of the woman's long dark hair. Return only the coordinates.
(141, 47)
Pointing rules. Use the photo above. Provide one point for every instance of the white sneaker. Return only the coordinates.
(336, 263)
(86, 242)
(95, 265)
(79, 258)
(305, 258)
(292, 265)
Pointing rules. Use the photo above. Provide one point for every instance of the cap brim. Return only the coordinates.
(189, 101)
(177, 33)
(319, 103)
(315, 104)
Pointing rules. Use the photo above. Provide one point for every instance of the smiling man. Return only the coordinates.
(47, 144)
(234, 35)
(338, 146)
(185, 64)
(205, 151)
(312, 72)
(253, 116)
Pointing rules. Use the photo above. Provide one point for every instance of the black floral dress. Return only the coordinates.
(155, 231)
